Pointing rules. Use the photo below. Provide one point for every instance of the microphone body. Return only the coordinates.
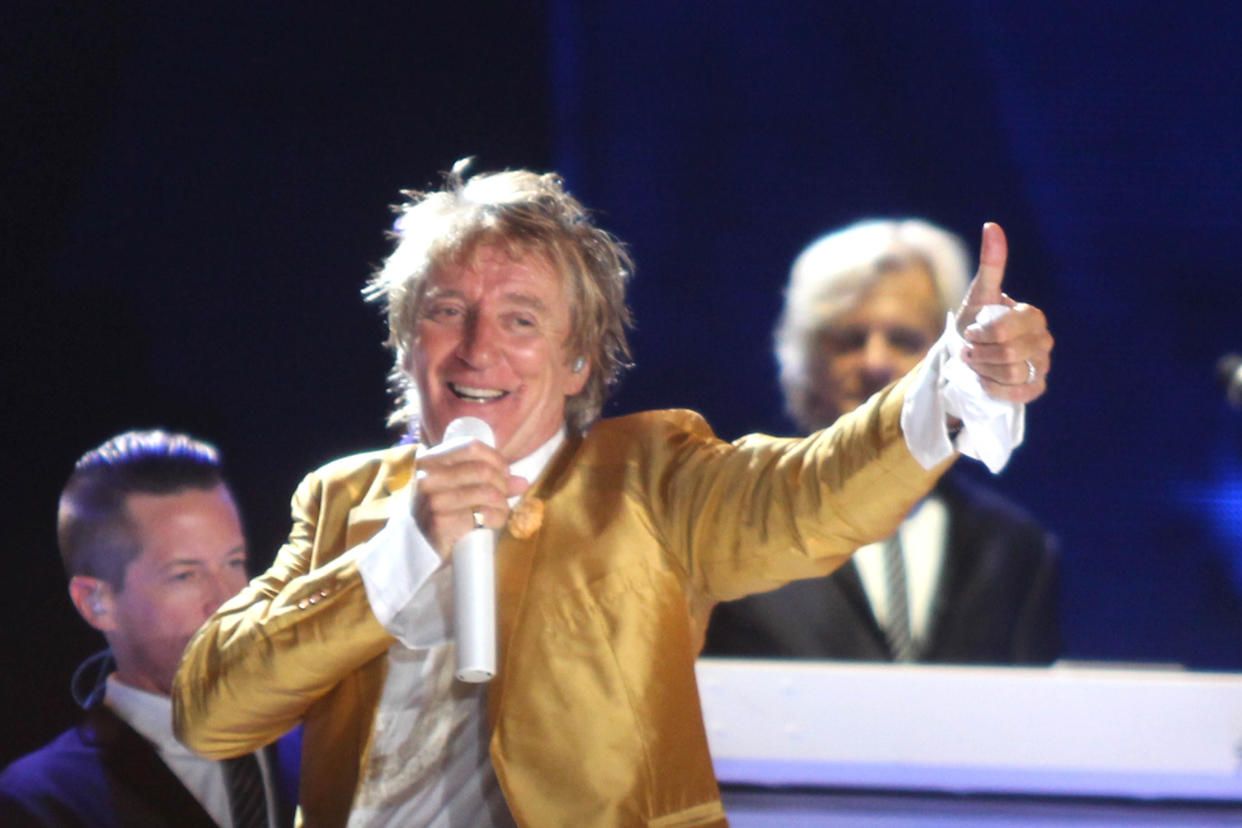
(474, 580)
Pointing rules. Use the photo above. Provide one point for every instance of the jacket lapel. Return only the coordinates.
(366, 519)
(369, 516)
(134, 764)
(850, 584)
(515, 559)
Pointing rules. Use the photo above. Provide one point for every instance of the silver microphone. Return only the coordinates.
(474, 579)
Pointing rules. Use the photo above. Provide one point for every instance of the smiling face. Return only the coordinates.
(490, 343)
(192, 559)
(879, 338)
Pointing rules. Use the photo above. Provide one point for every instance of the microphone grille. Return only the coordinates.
(472, 428)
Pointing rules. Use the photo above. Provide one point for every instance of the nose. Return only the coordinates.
(878, 356)
(477, 347)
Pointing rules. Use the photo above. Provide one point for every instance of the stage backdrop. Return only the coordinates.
(721, 138)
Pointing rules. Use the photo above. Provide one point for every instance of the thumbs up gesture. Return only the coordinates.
(1007, 343)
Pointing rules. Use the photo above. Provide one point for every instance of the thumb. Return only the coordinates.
(985, 288)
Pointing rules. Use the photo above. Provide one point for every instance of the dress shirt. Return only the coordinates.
(150, 715)
(922, 535)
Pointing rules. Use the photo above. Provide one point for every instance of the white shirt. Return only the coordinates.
(429, 764)
(150, 715)
(922, 534)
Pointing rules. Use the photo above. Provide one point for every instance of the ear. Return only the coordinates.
(579, 372)
(92, 597)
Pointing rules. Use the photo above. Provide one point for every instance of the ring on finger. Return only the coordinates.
(477, 514)
(1031, 373)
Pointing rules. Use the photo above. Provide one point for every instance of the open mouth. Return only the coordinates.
(476, 395)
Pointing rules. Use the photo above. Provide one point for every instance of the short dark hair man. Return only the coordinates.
(152, 544)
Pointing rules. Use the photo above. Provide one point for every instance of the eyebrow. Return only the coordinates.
(441, 293)
(236, 550)
(527, 300)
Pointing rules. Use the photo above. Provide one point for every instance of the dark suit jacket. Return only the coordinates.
(995, 603)
(102, 773)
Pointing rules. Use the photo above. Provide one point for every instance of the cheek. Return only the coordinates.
(430, 346)
(187, 615)
(529, 358)
(138, 612)
(541, 368)
(160, 624)
(229, 585)
(833, 372)
(416, 364)
(176, 611)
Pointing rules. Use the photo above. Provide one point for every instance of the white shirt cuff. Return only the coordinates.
(947, 387)
(409, 589)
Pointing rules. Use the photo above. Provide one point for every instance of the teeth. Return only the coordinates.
(476, 394)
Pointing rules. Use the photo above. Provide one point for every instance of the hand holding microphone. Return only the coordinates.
(462, 489)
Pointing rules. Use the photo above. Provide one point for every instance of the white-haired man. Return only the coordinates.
(968, 577)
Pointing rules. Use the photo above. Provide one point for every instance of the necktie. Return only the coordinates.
(898, 632)
(247, 799)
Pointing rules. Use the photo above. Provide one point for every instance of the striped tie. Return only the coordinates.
(247, 799)
(898, 632)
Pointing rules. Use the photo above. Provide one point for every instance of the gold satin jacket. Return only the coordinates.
(648, 521)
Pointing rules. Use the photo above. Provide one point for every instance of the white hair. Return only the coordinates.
(832, 273)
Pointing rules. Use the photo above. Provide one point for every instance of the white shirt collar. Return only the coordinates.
(533, 464)
(148, 713)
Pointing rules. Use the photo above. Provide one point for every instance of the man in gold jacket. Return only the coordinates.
(614, 537)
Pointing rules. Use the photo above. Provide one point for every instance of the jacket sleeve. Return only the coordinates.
(752, 515)
(283, 642)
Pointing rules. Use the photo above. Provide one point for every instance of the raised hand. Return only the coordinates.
(1010, 349)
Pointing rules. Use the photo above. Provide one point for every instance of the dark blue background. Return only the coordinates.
(192, 199)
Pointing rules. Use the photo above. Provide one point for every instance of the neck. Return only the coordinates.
(140, 681)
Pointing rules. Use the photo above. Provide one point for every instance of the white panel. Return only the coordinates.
(1060, 730)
